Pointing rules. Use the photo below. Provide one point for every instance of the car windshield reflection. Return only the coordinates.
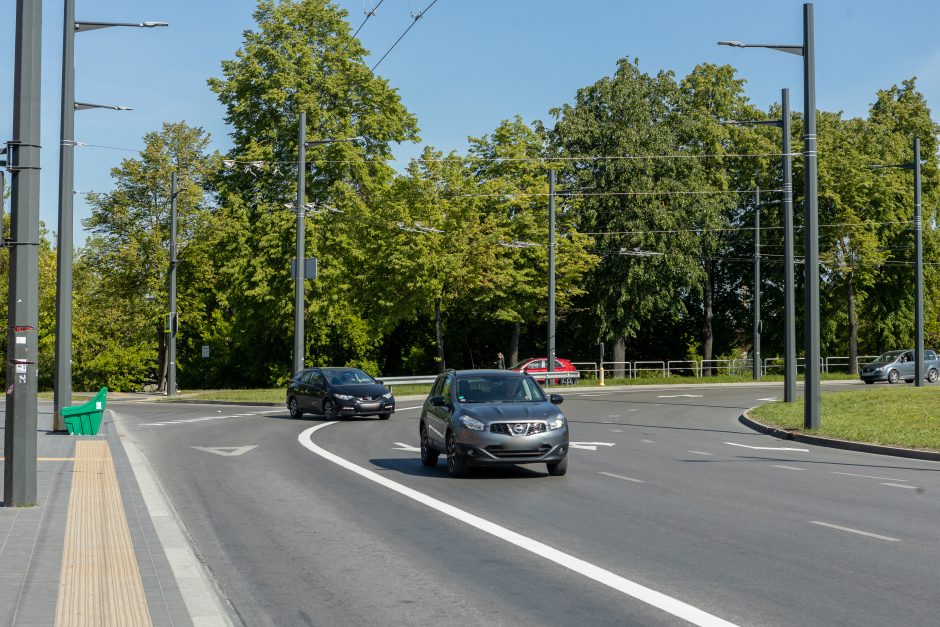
(888, 357)
(498, 389)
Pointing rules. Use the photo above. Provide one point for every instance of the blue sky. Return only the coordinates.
(464, 67)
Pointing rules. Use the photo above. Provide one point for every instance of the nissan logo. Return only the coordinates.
(520, 428)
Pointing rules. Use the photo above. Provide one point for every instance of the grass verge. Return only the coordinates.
(904, 416)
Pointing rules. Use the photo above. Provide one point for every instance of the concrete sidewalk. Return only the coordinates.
(89, 553)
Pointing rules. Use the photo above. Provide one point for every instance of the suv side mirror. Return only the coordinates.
(556, 399)
(438, 401)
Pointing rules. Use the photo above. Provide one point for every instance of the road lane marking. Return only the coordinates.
(856, 531)
(656, 599)
(772, 398)
(610, 474)
(648, 441)
(700, 453)
(679, 396)
(589, 446)
(406, 447)
(598, 394)
(852, 474)
(407, 408)
(634, 409)
(787, 467)
(614, 416)
(770, 448)
(226, 451)
(616, 430)
(901, 485)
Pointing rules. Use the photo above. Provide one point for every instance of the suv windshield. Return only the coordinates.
(497, 388)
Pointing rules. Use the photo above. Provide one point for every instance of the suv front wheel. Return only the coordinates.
(558, 469)
(428, 454)
(456, 465)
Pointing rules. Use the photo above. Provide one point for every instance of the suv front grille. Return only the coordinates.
(497, 451)
(518, 428)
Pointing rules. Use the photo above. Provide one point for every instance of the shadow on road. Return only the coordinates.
(414, 468)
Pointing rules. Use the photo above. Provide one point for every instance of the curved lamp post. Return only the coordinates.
(812, 404)
(62, 376)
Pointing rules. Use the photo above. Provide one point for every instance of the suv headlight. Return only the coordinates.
(344, 397)
(472, 423)
(387, 394)
(557, 422)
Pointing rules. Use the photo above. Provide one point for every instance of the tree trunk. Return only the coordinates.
(514, 345)
(853, 324)
(707, 333)
(620, 356)
(441, 366)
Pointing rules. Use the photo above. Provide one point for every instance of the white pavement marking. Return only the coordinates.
(700, 453)
(769, 448)
(648, 441)
(407, 408)
(659, 600)
(852, 474)
(406, 447)
(596, 394)
(901, 485)
(679, 396)
(226, 451)
(787, 467)
(634, 409)
(188, 420)
(614, 416)
(772, 398)
(616, 430)
(857, 531)
(588, 446)
(610, 474)
(200, 596)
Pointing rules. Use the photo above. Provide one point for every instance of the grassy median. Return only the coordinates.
(904, 416)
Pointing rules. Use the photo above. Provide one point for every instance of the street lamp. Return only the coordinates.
(918, 264)
(299, 277)
(812, 404)
(789, 315)
(62, 376)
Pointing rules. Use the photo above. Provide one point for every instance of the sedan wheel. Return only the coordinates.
(294, 408)
(893, 376)
(329, 410)
(456, 465)
(933, 375)
(428, 454)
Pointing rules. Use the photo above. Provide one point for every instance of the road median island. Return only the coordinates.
(900, 421)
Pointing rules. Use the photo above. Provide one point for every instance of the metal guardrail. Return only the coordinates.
(412, 380)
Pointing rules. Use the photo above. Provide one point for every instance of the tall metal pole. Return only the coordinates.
(918, 274)
(789, 300)
(812, 403)
(551, 274)
(756, 304)
(62, 376)
(299, 257)
(174, 320)
(19, 464)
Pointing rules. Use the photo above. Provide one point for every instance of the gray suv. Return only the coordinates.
(492, 417)
(896, 365)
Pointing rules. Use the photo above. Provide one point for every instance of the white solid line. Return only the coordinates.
(642, 593)
(770, 448)
(648, 441)
(596, 394)
(616, 430)
(852, 474)
(772, 398)
(787, 467)
(900, 485)
(610, 474)
(850, 530)
(700, 453)
(679, 396)
(407, 408)
(200, 596)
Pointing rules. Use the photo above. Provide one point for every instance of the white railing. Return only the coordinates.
(680, 367)
(843, 362)
(647, 366)
(714, 365)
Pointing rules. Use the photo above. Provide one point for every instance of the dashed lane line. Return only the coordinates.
(630, 479)
(852, 474)
(646, 595)
(769, 448)
(901, 485)
(700, 453)
(786, 467)
(855, 531)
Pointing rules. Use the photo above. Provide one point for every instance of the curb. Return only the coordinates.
(847, 445)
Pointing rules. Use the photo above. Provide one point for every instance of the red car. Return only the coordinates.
(536, 365)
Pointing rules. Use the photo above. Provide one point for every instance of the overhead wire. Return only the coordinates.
(369, 14)
(414, 20)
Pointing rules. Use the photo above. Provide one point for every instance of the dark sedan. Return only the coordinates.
(492, 417)
(338, 393)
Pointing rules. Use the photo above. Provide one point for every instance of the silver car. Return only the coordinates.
(896, 365)
(491, 418)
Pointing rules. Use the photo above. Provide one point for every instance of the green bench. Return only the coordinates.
(85, 419)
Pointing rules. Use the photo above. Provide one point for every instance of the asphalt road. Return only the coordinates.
(671, 512)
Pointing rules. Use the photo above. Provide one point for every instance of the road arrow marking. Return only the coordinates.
(406, 447)
(769, 448)
(589, 446)
(226, 451)
(679, 396)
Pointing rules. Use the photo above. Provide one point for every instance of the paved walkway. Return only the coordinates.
(88, 553)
